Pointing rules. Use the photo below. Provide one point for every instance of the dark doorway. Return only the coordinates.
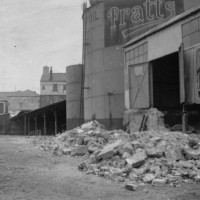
(165, 71)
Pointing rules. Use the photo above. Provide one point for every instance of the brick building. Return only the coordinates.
(21, 100)
(52, 87)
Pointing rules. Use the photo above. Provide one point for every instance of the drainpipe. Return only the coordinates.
(110, 111)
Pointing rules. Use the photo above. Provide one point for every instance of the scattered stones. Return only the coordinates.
(80, 150)
(191, 154)
(126, 155)
(150, 157)
(109, 150)
(197, 178)
(148, 178)
(131, 187)
(137, 159)
(159, 182)
(126, 148)
(92, 149)
(186, 164)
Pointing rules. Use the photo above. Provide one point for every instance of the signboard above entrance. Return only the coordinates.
(125, 19)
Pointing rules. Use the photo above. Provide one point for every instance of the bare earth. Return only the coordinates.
(27, 173)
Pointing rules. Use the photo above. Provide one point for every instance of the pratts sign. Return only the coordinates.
(128, 18)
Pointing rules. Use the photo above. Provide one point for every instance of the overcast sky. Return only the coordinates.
(34, 33)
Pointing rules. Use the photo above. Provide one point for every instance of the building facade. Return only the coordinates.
(107, 26)
(52, 87)
(166, 73)
(21, 100)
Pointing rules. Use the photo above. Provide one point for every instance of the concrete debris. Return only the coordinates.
(79, 150)
(137, 159)
(159, 182)
(109, 151)
(148, 178)
(131, 187)
(150, 157)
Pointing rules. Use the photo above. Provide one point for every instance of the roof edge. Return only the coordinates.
(162, 26)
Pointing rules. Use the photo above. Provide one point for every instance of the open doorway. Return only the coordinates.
(165, 82)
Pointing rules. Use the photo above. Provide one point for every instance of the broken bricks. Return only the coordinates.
(137, 159)
(153, 157)
(109, 150)
(79, 150)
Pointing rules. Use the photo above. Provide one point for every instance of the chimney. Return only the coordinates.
(46, 70)
(51, 74)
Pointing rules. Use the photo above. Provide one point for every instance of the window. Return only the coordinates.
(191, 32)
(137, 55)
(43, 87)
(64, 87)
(55, 87)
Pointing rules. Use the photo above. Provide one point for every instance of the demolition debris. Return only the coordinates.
(149, 157)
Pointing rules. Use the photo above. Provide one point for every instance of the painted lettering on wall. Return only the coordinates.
(124, 18)
(92, 17)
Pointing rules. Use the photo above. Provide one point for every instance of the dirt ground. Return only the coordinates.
(27, 173)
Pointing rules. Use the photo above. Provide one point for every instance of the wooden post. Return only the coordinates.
(56, 120)
(45, 126)
(28, 125)
(184, 120)
(35, 117)
(25, 124)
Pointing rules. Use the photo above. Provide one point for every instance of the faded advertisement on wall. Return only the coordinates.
(125, 19)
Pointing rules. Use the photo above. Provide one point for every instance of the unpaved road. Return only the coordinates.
(27, 173)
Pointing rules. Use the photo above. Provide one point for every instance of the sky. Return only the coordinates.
(35, 33)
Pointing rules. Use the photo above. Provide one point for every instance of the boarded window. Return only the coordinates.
(55, 87)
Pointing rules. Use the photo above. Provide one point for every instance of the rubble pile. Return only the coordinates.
(150, 157)
(83, 140)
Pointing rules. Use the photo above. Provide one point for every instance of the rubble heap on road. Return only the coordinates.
(150, 157)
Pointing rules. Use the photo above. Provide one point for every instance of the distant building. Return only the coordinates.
(3, 107)
(4, 117)
(21, 100)
(52, 87)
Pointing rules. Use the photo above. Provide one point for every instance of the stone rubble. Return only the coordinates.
(150, 157)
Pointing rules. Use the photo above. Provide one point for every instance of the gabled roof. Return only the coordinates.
(56, 77)
(26, 93)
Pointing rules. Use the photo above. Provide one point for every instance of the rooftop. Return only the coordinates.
(26, 93)
(49, 76)
(56, 77)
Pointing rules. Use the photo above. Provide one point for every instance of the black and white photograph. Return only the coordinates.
(99, 99)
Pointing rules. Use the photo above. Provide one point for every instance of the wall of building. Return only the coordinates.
(107, 26)
(46, 100)
(103, 96)
(17, 126)
(23, 103)
(3, 107)
(191, 3)
(169, 40)
(74, 98)
(4, 123)
(46, 88)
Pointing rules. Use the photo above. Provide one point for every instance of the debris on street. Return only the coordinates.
(150, 157)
